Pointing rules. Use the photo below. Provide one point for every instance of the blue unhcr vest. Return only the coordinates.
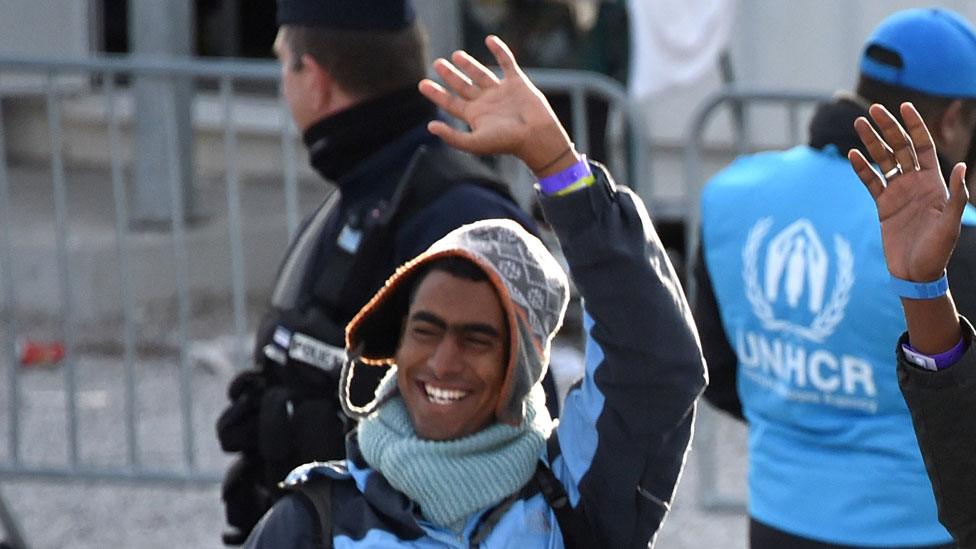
(802, 288)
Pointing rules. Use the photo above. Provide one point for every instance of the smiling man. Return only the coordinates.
(457, 449)
(451, 351)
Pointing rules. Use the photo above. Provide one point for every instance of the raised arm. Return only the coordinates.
(624, 431)
(919, 228)
(919, 220)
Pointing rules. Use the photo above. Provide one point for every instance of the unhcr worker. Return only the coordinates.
(457, 448)
(796, 317)
(920, 225)
(349, 73)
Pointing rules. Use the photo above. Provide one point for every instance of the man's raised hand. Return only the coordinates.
(506, 116)
(919, 221)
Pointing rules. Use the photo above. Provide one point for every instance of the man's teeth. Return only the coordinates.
(444, 396)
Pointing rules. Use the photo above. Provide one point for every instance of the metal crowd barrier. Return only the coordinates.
(103, 73)
(108, 70)
(739, 102)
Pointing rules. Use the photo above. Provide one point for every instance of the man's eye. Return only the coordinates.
(424, 332)
(478, 342)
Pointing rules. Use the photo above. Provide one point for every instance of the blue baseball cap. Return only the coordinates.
(934, 52)
(347, 15)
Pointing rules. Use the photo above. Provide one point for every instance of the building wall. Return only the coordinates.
(810, 45)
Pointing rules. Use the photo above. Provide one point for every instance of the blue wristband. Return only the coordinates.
(559, 181)
(920, 290)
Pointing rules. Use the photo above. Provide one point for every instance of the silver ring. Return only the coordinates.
(893, 172)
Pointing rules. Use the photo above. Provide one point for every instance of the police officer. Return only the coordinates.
(349, 71)
(797, 317)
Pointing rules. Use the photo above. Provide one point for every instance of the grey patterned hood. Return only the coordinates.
(533, 289)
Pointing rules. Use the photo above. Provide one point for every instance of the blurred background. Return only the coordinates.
(150, 178)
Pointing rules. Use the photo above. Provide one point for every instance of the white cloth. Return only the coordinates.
(675, 41)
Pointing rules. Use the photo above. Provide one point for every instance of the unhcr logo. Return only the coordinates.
(796, 269)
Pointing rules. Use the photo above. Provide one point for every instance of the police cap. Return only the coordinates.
(347, 15)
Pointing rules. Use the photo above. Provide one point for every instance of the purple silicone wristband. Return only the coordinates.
(552, 184)
(948, 358)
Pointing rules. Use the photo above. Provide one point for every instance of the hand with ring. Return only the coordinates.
(892, 172)
(919, 220)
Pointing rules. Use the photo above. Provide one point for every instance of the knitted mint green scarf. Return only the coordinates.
(453, 479)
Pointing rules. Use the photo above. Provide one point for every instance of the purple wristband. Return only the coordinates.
(940, 361)
(552, 184)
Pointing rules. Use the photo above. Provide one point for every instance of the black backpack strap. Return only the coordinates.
(490, 520)
(318, 492)
(572, 521)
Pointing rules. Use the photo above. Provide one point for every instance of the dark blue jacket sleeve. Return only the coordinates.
(625, 430)
(723, 364)
(288, 524)
(943, 406)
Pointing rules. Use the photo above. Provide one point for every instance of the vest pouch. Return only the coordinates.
(245, 498)
(237, 427)
(275, 434)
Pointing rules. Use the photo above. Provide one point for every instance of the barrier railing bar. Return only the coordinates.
(581, 132)
(125, 284)
(705, 439)
(15, 539)
(597, 84)
(146, 66)
(615, 142)
(234, 218)
(794, 118)
(9, 301)
(173, 478)
(740, 121)
(640, 153)
(182, 283)
(64, 276)
(696, 142)
(291, 171)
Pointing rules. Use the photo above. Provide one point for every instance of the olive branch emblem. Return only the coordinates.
(826, 321)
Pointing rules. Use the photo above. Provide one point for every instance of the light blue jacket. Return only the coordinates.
(624, 430)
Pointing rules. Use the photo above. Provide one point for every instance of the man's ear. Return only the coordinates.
(321, 85)
(952, 124)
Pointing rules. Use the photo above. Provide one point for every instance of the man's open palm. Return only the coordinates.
(919, 221)
(506, 116)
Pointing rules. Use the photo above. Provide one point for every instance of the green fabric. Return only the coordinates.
(453, 479)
